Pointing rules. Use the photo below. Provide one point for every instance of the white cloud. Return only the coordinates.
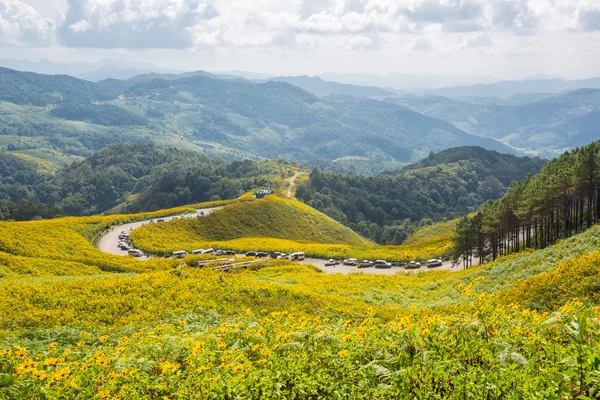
(424, 43)
(22, 25)
(475, 41)
(308, 29)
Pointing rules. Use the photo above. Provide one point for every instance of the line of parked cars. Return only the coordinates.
(277, 255)
(125, 244)
(353, 262)
(183, 253)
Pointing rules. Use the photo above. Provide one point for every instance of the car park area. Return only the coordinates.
(116, 241)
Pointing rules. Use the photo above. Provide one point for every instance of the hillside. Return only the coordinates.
(72, 324)
(226, 117)
(387, 208)
(560, 201)
(507, 89)
(272, 217)
(322, 88)
(564, 120)
(135, 177)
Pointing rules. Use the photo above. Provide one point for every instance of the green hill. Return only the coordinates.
(448, 184)
(270, 218)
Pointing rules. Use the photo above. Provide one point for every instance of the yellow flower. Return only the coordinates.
(103, 338)
(21, 352)
(169, 367)
(51, 362)
(343, 353)
(61, 374)
(52, 346)
(41, 375)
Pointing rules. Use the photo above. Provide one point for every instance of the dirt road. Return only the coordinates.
(293, 182)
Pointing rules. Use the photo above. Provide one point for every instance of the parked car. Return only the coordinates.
(365, 264)
(251, 254)
(208, 251)
(220, 253)
(331, 263)
(413, 265)
(275, 254)
(124, 246)
(298, 256)
(261, 254)
(434, 263)
(351, 262)
(283, 256)
(229, 252)
(382, 264)
(135, 252)
(180, 254)
(197, 251)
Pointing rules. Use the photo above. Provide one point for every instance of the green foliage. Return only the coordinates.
(561, 200)
(225, 117)
(444, 185)
(99, 114)
(162, 177)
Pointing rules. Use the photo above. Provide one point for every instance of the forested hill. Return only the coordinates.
(134, 176)
(563, 199)
(505, 167)
(228, 118)
(386, 208)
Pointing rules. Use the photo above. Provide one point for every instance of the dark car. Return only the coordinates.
(276, 254)
(261, 254)
(230, 252)
(251, 254)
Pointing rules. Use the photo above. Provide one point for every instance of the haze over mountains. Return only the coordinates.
(302, 118)
(235, 118)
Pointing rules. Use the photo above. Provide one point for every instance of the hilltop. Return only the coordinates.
(270, 218)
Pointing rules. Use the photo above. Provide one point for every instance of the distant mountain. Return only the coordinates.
(232, 118)
(515, 100)
(321, 88)
(553, 124)
(407, 82)
(92, 71)
(507, 89)
(171, 77)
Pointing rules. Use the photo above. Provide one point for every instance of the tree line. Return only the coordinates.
(387, 208)
(562, 200)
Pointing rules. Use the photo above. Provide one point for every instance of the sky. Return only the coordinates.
(500, 38)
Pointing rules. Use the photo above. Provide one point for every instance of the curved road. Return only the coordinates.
(108, 244)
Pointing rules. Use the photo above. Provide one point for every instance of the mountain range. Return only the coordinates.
(233, 118)
(561, 121)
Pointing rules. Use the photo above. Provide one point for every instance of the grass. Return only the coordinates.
(278, 224)
(521, 327)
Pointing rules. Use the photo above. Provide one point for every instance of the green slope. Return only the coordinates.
(272, 217)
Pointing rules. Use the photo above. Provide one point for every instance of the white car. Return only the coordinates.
(135, 253)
